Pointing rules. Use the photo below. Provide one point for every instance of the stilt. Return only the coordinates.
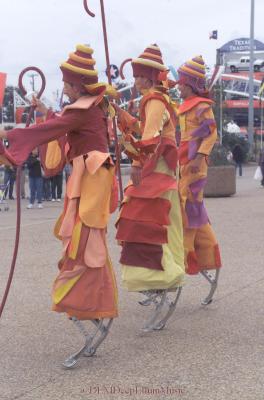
(92, 341)
(165, 302)
(213, 280)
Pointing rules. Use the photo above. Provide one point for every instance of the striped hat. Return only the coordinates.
(192, 73)
(79, 70)
(149, 64)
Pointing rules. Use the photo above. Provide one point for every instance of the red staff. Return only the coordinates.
(117, 151)
(18, 182)
(134, 90)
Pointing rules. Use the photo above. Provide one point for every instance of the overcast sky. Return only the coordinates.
(43, 32)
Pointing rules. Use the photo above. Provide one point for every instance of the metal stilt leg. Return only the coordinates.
(103, 329)
(172, 303)
(92, 341)
(213, 280)
(165, 302)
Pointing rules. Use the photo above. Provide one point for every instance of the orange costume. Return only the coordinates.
(198, 135)
(150, 225)
(85, 287)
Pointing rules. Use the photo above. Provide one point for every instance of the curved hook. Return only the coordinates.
(122, 67)
(20, 80)
(87, 9)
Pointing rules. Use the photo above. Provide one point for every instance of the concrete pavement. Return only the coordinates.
(204, 353)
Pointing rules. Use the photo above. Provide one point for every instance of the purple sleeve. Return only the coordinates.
(23, 140)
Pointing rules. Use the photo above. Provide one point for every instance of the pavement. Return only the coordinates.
(204, 353)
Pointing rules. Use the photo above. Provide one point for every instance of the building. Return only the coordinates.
(233, 60)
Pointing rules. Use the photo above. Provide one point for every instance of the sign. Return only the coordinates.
(114, 71)
(240, 104)
(242, 44)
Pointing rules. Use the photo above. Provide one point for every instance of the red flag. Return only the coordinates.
(2, 87)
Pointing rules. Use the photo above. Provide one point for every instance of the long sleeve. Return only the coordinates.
(207, 123)
(23, 140)
(156, 117)
(128, 123)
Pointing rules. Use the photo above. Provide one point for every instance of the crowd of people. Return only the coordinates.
(34, 185)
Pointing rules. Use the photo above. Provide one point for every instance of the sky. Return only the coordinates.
(43, 32)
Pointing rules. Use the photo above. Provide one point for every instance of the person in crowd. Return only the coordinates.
(261, 164)
(46, 188)
(238, 157)
(35, 179)
(9, 181)
(56, 186)
(67, 171)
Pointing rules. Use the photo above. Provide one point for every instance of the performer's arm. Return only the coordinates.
(207, 122)
(126, 122)
(207, 134)
(156, 117)
(23, 140)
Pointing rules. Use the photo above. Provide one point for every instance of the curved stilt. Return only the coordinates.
(165, 302)
(213, 280)
(92, 341)
(103, 329)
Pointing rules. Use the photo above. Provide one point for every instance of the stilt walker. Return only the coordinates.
(150, 224)
(198, 135)
(85, 288)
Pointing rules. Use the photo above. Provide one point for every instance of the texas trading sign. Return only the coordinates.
(242, 44)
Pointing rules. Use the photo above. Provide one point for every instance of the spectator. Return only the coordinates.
(238, 157)
(9, 177)
(56, 186)
(46, 189)
(35, 179)
(261, 164)
(67, 171)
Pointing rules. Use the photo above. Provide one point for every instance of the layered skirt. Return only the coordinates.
(149, 228)
(85, 286)
(201, 247)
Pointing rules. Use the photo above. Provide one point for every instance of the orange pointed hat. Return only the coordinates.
(192, 73)
(149, 64)
(79, 70)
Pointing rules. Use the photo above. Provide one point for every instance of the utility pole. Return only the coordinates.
(251, 80)
(32, 76)
(221, 109)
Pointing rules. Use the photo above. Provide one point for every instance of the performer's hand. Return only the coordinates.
(3, 134)
(39, 105)
(118, 109)
(196, 164)
(136, 175)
